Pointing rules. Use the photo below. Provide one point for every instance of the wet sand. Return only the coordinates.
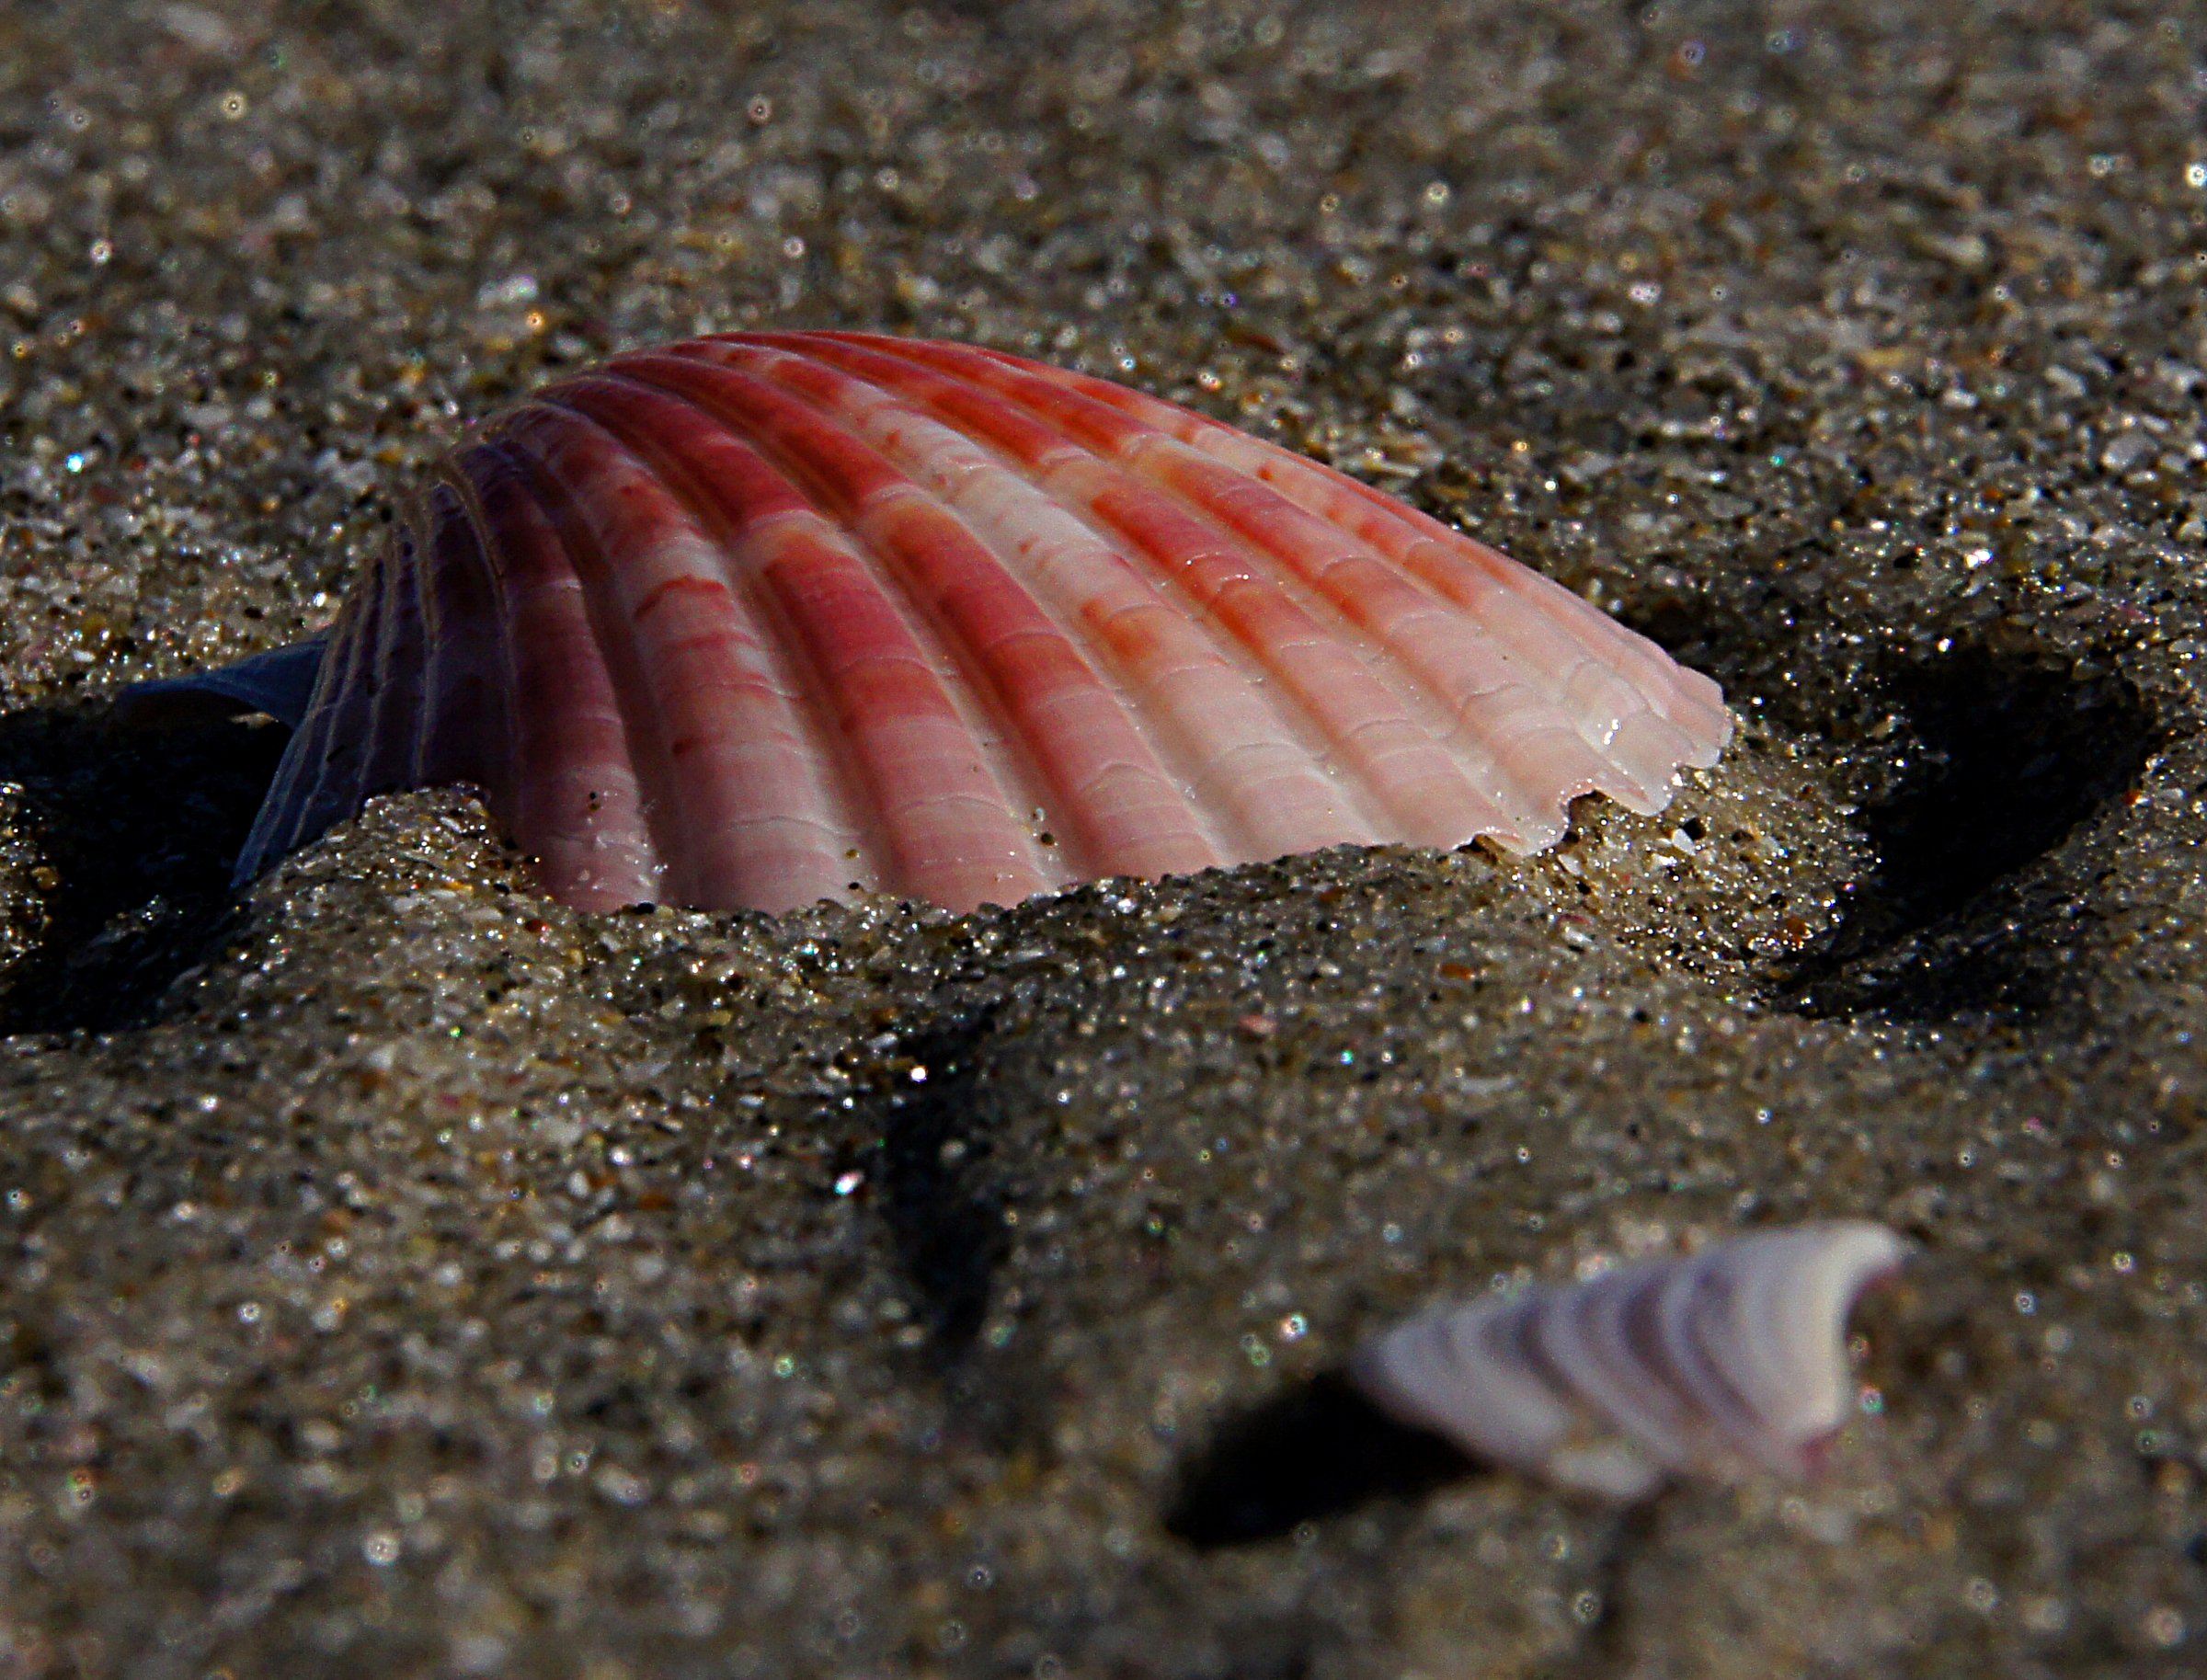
(401, 1275)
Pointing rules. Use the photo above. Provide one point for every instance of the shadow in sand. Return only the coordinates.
(1316, 1450)
(942, 1200)
(2001, 753)
(116, 844)
(2004, 759)
(942, 1195)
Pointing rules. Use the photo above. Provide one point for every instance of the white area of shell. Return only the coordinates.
(1721, 1363)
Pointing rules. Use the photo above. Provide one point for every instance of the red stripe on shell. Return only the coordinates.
(754, 620)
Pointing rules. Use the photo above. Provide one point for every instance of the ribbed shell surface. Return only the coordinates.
(1718, 1364)
(758, 620)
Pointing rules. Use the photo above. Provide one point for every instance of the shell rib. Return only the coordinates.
(758, 620)
(1722, 1364)
(279, 683)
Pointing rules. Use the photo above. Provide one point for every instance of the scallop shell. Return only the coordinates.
(279, 683)
(768, 618)
(1721, 1364)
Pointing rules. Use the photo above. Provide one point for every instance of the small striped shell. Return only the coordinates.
(758, 619)
(1721, 1364)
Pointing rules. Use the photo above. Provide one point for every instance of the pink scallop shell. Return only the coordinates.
(758, 619)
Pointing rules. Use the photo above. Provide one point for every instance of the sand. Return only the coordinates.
(402, 1275)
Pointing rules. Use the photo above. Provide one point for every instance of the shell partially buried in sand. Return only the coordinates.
(758, 619)
(1718, 1364)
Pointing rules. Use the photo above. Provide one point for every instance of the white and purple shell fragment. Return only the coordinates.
(763, 619)
(1721, 1363)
